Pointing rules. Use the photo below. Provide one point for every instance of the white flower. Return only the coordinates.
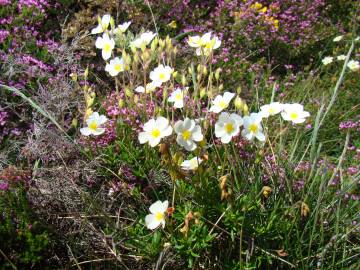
(221, 102)
(154, 131)
(94, 122)
(188, 133)
(341, 57)
(161, 74)
(150, 87)
(178, 98)
(194, 41)
(327, 60)
(209, 46)
(294, 113)
(205, 44)
(144, 40)
(338, 38)
(121, 28)
(252, 127)
(103, 24)
(191, 164)
(105, 43)
(228, 126)
(115, 67)
(353, 65)
(157, 216)
(271, 109)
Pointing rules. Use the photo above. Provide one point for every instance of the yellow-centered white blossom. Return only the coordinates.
(177, 97)
(94, 123)
(271, 109)
(157, 215)
(115, 66)
(353, 65)
(252, 127)
(221, 102)
(188, 133)
(191, 164)
(294, 113)
(103, 24)
(154, 131)
(144, 40)
(160, 75)
(121, 28)
(106, 44)
(227, 126)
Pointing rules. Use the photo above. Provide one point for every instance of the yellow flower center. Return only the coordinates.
(118, 67)
(294, 115)
(178, 96)
(162, 76)
(229, 127)
(223, 104)
(159, 216)
(107, 47)
(253, 128)
(271, 110)
(93, 125)
(186, 135)
(155, 133)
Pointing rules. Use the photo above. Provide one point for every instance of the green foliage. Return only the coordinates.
(23, 240)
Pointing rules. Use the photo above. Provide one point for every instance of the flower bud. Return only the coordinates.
(221, 87)
(183, 80)
(86, 72)
(266, 190)
(202, 92)
(238, 90)
(121, 103)
(245, 109)
(238, 103)
(217, 74)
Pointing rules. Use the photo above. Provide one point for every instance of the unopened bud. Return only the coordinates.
(217, 74)
(202, 92)
(86, 72)
(245, 109)
(238, 103)
(238, 90)
(221, 87)
(205, 71)
(121, 103)
(183, 80)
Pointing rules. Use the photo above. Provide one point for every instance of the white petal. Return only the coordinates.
(85, 131)
(98, 131)
(143, 137)
(97, 30)
(106, 54)
(226, 138)
(167, 131)
(196, 134)
(151, 222)
(156, 207)
(228, 96)
(260, 136)
(99, 43)
(161, 123)
(178, 127)
(154, 141)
